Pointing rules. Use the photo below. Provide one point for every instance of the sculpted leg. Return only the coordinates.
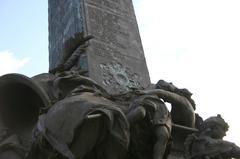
(162, 135)
(86, 137)
(136, 115)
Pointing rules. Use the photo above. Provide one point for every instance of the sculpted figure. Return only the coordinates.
(182, 112)
(150, 135)
(20, 103)
(161, 121)
(208, 143)
(183, 105)
(83, 123)
(61, 132)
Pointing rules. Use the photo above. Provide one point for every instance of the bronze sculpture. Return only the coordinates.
(64, 114)
(208, 143)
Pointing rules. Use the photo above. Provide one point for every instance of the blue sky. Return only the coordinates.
(194, 44)
(24, 34)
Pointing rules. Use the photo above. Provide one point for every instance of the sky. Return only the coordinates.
(23, 36)
(194, 44)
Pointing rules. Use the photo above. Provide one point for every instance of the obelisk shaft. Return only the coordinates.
(115, 58)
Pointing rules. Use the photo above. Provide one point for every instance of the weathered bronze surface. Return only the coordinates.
(101, 108)
(68, 115)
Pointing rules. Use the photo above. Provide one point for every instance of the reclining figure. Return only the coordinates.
(208, 143)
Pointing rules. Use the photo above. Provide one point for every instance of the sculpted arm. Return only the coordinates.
(169, 97)
(182, 110)
(234, 150)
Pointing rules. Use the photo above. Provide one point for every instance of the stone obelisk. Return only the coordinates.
(115, 57)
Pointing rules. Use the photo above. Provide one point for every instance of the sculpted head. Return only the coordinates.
(169, 86)
(216, 127)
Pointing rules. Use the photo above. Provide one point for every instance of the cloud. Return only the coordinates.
(11, 64)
